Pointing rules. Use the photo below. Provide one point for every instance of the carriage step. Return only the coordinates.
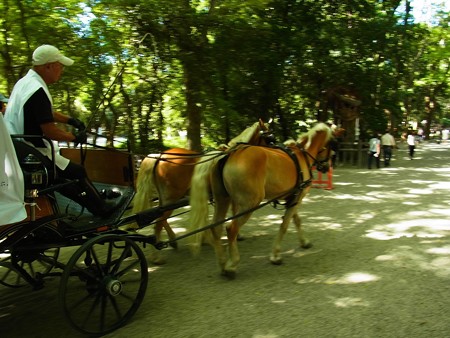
(147, 239)
(146, 217)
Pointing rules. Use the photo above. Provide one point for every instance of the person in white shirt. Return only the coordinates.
(30, 112)
(388, 143)
(374, 151)
(411, 141)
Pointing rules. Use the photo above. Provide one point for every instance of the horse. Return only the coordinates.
(167, 176)
(246, 176)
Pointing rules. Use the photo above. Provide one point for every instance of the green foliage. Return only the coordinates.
(154, 71)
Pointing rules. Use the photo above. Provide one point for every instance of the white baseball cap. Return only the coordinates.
(48, 54)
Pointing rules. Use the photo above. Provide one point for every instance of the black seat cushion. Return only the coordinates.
(38, 170)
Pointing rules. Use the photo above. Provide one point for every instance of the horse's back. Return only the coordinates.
(259, 171)
(174, 173)
(175, 152)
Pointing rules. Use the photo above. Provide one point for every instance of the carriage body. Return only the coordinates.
(105, 280)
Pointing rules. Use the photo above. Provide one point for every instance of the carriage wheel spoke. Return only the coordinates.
(127, 268)
(115, 285)
(80, 302)
(97, 261)
(124, 255)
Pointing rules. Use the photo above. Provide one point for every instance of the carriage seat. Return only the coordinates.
(39, 172)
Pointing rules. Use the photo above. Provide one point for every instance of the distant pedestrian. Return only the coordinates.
(388, 143)
(374, 151)
(411, 140)
(445, 134)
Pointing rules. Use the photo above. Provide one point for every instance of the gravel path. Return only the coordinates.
(379, 267)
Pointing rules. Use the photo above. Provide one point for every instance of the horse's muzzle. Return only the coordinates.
(323, 167)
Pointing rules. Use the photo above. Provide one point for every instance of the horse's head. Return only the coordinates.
(257, 134)
(322, 160)
(316, 142)
(266, 137)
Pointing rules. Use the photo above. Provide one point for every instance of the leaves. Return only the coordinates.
(150, 69)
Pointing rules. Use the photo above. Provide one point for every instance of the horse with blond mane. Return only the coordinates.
(167, 176)
(246, 176)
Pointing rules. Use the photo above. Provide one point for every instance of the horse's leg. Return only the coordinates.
(245, 186)
(164, 224)
(233, 250)
(304, 242)
(220, 211)
(221, 205)
(171, 234)
(156, 256)
(216, 242)
(275, 257)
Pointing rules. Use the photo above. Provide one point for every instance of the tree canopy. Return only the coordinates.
(192, 73)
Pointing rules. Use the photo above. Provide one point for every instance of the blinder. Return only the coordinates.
(323, 165)
(269, 137)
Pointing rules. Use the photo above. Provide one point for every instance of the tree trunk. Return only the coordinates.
(193, 110)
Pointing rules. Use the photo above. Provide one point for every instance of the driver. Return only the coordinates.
(30, 112)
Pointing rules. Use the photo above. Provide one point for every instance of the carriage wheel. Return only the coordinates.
(34, 262)
(103, 284)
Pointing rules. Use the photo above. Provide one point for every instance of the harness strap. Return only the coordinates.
(165, 244)
(301, 183)
(208, 157)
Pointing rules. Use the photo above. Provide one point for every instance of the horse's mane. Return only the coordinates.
(306, 138)
(245, 136)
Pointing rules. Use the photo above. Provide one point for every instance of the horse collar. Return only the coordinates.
(301, 183)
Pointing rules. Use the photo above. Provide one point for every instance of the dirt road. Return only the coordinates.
(379, 267)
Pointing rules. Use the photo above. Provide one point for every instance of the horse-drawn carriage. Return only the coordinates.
(104, 281)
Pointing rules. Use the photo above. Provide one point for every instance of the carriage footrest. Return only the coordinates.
(147, 239)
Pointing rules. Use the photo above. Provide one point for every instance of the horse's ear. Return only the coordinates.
(261, 122)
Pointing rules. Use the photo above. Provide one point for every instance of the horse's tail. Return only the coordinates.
(145, 186)
(199, 197)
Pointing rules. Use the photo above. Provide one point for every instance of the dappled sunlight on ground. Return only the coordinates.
(379, 267)
(355, 197)
(380, 241)
(441, 185)
(349, 278)
(423, 228)
(434, 259)
(350, 301)
(327, 225)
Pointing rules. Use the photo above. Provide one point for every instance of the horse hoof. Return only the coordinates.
(156, 259)
(160, 261)
(173, 245)
(229, 274)
(306, 246)
(277, 261)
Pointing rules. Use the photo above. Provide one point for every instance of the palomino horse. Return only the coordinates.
(244, 178)
(167, 176)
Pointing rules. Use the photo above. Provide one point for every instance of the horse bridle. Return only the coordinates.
(268, 137)
(322, 165)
